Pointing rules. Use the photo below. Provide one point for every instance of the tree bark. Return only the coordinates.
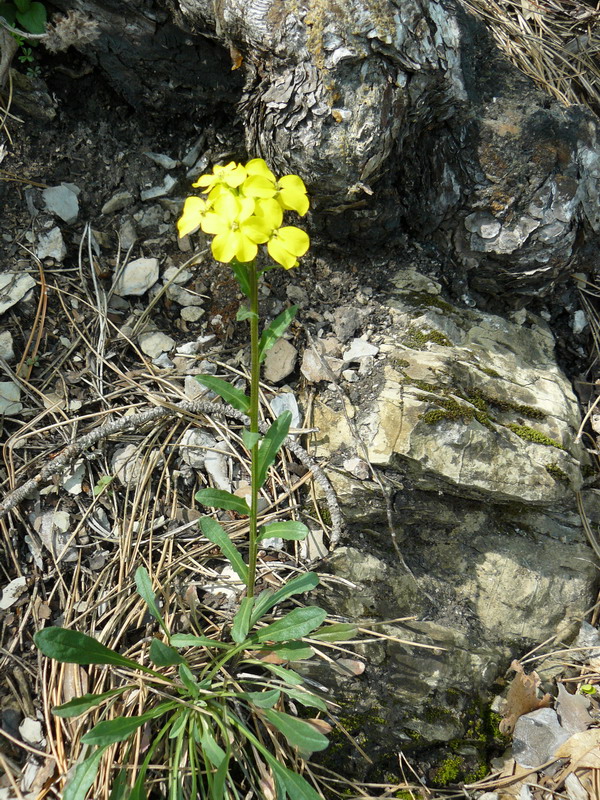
(399, 114)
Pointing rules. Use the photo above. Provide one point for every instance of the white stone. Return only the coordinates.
(286, 401)
(13, 287)
(12, 592)
(358, 350)
(193, 390)
(217, 466)
(183, 296)
(280, 361)
(155, 343)
(317, 367)
(159, 191)
(137, 277)
(51, 245)
(350, 375)
(195, 444)
(53, 528)
(117, 202)
(579, 321)
(192, 313)
(10, 394)
(62, 201)
(72, 481)
(126, 464)
(31, 730)
(177, 275)
(164, 161)
(6, 346)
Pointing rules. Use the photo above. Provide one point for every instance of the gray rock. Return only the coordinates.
(195, 445)
(54, 530)
(51, 245)
(10, 395)
(117, 202)
(346, 321)
(193, 390)
(154, 343)
(318, 367)
(286, 401)
(127, 234)
(164, 161)
(177, 275)
(359, 349)
(192, 313)
(13, 287)
(280, 361)
(182, 296)
(537, 736)
(159, 191)
(62, 201)
(7, 351)
(137, 277)
(216, 465)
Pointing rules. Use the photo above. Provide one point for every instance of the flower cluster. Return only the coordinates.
(244, 208)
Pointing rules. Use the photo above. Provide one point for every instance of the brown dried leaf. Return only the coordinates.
(583, 749)
(323, 727)
(522, 697)
(349, 666)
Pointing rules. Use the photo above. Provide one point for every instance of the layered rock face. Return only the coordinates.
(471, 427)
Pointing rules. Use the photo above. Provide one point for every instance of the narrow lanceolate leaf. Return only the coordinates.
(290, 651)
(72, 647)
(190, 640)
(262, 699)
(79, 705)
(218, 498)
(144, 588)
(298, 623)
(284, 530)
(241, 621)
(271, 443)
(241, 274)
(187, 677)
(180, 722)
(249, 438)
(213, 750)
(340, 632)
(298, 733)
(296, 787)
(162, 655)
(217, 791)
(305, 698)
(84, 776)
(298, 585)
(275, 330)
(215, 534)
(235, 397)
(287, 675)
(117, 730)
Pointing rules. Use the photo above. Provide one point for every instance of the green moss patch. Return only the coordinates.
(532, 435)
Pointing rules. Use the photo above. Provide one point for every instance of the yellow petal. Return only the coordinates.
(279, 254)
(255, 229)
(214, 223)
(295, 240)
(269, 210)
(234, 177)
(224, 246)
(258, 186)
(293, 201)
(193, 211)
(246, 250)
(258, 166)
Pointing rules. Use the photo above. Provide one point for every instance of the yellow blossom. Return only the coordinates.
(287, 244)
(236, 230)
(194, 209)
(231, 175)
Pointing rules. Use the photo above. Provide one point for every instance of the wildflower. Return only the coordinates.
(194, 209)
(236, 229)
(231, 175)
(287, 244)
(292, 194)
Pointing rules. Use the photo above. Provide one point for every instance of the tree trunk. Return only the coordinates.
(399, 114)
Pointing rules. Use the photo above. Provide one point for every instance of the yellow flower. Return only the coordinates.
(287, 244)
(289, 190)
(260, 181)
(231, 175)
(292, 194)
(236, 230)
(194, 209)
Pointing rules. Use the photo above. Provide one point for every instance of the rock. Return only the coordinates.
(280, 361)
(126, 464)
(183, 296)
(286, 401)
(154, 343)
(72, 481)
(12, 591)
(216, 463)
(536, 738)
(137, 277)
(159, 191)
(177, 275)
(318, 367)
(13, 287)
(127, 234)
(31, 731)
(164, 161)
(54, 530)
(51, 245)
(163, 361)
(62, 201)
(192, 313)
(10, 395)
(579, 321)
(346, 321)
(358, 350)
(195, 444)
(117, 202)
(7, 351)
(193, 390)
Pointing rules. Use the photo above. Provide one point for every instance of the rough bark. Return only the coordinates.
(398, 114)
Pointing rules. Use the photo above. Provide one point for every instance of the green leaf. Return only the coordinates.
(298, 623)
(215, 534)
(79, 705)
(162, 655)
(34, 19)
(298, 733)
(22, 5)
(340, 632)
(144, 589)
(84, 776)
(213, 750)
(295, 785)
(235, 397)
(262, 699)
(284, 530)
(292, 651)
(241, 621)
(249, 438)
(72, 647)
(241, 274)
(189, 680)
(180, 722)
(190, 640)
(117, 730)
(218, 498)
(268, 599)
(305, 698)
(218, 785)
(271, 443)
(8, 12)
(120, 790)
(287, 675)
(275, 330)
(244, 312)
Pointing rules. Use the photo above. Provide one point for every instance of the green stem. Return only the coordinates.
(254, 386)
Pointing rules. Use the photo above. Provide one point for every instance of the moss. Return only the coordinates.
(453, 410)
(400, 363)
(532, 435)
(482, 400)
(404, 794)
(558, 474)
(418, 339)
(589, 471)
(491, 372)
(424, 386)
(449, 771)
(477, 774)
(426, 300)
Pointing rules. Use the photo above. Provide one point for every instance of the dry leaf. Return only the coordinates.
(583, 749)
(323, 727)
(574, 788)
(349, 666)
(572, 710)
(522, 697)
(236, 57)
